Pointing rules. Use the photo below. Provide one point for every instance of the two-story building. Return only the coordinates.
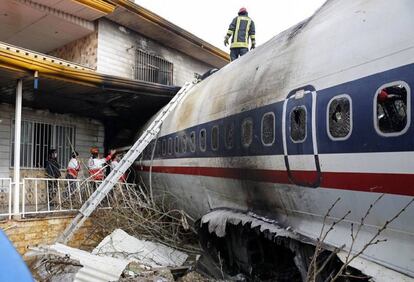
(81, 73)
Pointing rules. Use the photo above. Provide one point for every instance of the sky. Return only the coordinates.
(210, 19)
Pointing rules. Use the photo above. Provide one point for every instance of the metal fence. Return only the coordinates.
(5, 198)
(152, 68)
(46, 195)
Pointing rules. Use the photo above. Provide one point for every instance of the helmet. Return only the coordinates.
(242, 10)
(94, 150)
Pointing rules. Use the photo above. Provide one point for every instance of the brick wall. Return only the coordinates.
(82, 51)
(31, 232)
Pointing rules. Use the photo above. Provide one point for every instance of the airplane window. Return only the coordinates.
(268, 129)
(391, 111)
(215, 138)
(192, 142)
(176, 145)
(203, 140)
(340, 117)
(298, 124)
(169, 146)
(157, 152)
(247, 132)
(164, 146)
(229, 135)
(184, 143)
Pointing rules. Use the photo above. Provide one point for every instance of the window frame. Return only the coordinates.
(374, 104)
(176, 145)
(274, 129)
(306, 124)
(205, 140)
(170, 146)
(226, 132)
(218, 137)
(194, 144)
(351, 118)
(241, 132)
(164, 146)
(183, 143)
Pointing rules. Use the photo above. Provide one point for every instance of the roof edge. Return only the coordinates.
(152, 17)
(99, 5)
(27, 62)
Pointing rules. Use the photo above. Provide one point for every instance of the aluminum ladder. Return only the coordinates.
(129, 158)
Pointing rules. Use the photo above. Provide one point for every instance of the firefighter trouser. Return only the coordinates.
(237, 52)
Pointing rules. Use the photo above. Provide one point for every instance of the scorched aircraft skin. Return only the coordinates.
(301, 121)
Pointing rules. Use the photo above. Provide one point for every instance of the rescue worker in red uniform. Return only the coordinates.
(240, 30)
(73, 168)
(96, 165)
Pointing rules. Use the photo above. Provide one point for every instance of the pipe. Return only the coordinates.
(17, 135)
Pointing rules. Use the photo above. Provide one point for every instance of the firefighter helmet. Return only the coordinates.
(242, 10)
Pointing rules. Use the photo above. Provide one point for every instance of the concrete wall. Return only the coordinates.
(88, 133)
(116, 47)
(82, 51)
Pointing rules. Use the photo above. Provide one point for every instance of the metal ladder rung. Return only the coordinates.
(112, 179)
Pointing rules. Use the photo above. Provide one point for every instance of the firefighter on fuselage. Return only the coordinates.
(96, 165)
(240, 30)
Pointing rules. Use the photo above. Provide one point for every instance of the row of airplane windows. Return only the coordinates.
(390, 114)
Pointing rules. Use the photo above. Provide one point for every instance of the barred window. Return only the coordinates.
(247, 132)
(268, 129)
(153, 68)
(229, 135)
(38, 138)
(215, 138)
(203, 140)
(192, 142)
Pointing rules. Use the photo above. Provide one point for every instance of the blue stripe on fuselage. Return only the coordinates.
(364, 137)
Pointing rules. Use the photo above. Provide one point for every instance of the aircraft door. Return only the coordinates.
(299, 138)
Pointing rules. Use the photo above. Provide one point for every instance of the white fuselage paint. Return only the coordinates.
(342, 42)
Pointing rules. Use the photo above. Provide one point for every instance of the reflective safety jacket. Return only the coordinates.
(240, 29)
(96, 167)
(73, 167)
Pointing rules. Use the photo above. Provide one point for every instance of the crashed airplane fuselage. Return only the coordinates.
(320, 112)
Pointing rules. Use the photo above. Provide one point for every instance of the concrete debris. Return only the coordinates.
(94, 267)
(119, 256)
(121, 245)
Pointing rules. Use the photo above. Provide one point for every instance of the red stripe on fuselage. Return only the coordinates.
(400, 184)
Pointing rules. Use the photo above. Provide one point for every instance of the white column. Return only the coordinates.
(17, 135)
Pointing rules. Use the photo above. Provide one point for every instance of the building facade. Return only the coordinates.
(76, 74)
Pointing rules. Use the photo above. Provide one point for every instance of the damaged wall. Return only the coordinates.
(32, 232)
(82, 51)
(116, 53)
(88, 132)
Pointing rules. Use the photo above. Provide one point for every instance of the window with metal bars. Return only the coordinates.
(152, 68)
(37, 138)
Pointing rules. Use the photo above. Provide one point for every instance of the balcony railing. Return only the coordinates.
(46, 195)
(5, 198)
